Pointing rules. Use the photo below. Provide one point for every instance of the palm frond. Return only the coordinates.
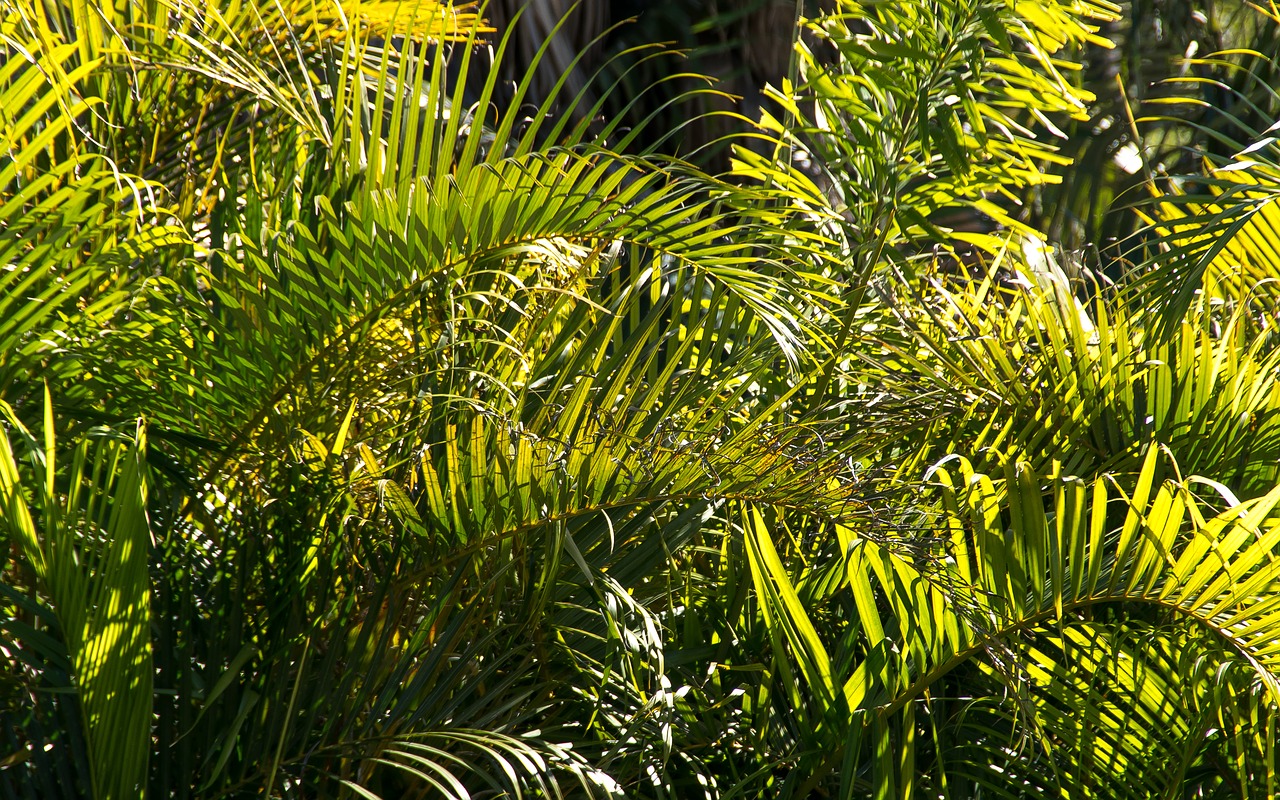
(1038, 374)
(1128, 709)
(86, 541)
(1008, 575)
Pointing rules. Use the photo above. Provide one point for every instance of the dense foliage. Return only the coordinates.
(369, 435)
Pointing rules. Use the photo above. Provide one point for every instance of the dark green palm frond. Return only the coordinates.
(373, 649)
(528, 533)
(84, 542)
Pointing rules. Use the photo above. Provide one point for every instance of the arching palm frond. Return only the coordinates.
(1015, 582)
(444, 385)
(1043, 376)
(1209, 232)
(1216, 239)
(1125, 709)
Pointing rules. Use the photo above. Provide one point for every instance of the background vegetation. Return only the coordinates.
(375, 426)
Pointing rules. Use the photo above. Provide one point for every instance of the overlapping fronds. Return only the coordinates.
(432, 368)
(1220, 242)
(486, 460)
(1150, 695)
(87, 546)
(1209, 233)
(912, 120)
(1042, 375)
(1011, 580)
(76, 223)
